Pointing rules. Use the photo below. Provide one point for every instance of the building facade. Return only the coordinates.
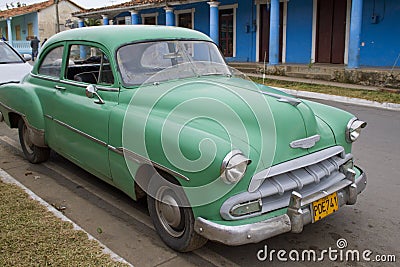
(352, 33)
(20, 25)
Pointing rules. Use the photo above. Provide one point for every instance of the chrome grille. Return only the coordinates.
(276, 185)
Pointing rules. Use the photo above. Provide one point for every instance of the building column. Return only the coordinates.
(274, 33)
(82, 51)
(81, 23)
(134, 17)
(169, 16)
(106, 21)
(9, 31)
(355, 32)
(214, 21)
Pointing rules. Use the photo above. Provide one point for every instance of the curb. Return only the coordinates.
(7, 178)
(341, 99)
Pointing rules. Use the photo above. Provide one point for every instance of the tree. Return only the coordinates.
(92, 22)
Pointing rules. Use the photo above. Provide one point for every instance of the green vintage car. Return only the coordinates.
(156, 112)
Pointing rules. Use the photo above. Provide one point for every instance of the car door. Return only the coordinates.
(77, 124)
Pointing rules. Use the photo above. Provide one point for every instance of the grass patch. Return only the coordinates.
(30, 235)
(379, 96)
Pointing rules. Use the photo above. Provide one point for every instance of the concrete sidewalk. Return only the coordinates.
(315, 81)
(341, 99)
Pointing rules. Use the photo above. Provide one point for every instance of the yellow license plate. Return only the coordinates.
(324, 206)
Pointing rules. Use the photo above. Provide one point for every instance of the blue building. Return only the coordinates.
(20, 24)
(352, 33)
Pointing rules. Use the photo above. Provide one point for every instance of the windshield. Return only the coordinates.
(7, 55)
(139, 63)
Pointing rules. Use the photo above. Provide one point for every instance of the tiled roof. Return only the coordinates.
(128, 4)
(133, 4)
(29, 9)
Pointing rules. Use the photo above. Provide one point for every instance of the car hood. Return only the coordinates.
(258, 120)
(13, 72)
(297, 130)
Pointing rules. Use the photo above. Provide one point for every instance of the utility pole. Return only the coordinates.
(57, 17)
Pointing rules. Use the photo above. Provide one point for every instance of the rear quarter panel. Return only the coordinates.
(23, 100)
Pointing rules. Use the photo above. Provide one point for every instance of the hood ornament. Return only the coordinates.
(306, 142)
(282, 98)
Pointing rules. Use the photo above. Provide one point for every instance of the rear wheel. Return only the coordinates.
(32, 152)
(171, 216)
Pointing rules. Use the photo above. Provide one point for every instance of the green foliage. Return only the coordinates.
(92, 22)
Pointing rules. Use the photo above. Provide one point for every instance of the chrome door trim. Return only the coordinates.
(120, 150)
(94, 139)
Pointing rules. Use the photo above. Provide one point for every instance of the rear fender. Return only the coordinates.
(19, 101)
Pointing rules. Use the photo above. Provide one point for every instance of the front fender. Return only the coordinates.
(336, 119)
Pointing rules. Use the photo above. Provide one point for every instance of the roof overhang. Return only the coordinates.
(114, 11)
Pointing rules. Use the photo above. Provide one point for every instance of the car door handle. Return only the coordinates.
(60, 88)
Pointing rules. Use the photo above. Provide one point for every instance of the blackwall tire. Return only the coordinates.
(32, 153)
(171, 216)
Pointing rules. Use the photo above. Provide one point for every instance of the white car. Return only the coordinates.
(13, 66)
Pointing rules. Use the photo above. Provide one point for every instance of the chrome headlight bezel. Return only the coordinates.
(353, 129)
(234, 167)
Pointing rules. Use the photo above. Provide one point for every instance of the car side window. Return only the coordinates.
(89, 64)
(51, 64)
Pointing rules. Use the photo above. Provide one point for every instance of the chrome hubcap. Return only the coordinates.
(168, 212)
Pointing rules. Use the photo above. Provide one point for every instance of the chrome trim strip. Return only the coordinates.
(15, 82)
(140, 159)
(107, 89)
(47, 78)
(35, 135)
(100, 88)
(10, 109)
(117, 150)
(298, 163)
(120, 150)
(94, 139)
(305, 142)
(296, 217)
(73, 83)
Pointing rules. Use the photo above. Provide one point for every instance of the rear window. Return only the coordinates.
(52, 62)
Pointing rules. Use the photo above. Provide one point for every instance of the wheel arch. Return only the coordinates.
(13, 119)
(143, 176)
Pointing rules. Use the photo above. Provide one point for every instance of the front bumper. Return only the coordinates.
(298, 214)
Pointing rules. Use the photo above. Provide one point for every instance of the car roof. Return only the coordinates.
(113, 36)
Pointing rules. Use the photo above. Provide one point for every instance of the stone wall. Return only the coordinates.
(47, 18)
(364, 76)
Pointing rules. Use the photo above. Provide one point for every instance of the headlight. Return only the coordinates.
(353, 129)
(234, 167)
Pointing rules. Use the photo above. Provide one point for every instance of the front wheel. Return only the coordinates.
(171, 216)
(32, 152)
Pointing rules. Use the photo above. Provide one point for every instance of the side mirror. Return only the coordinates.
(91, 91)
(27, 57)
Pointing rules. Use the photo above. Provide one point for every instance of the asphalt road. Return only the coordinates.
(372, 224)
